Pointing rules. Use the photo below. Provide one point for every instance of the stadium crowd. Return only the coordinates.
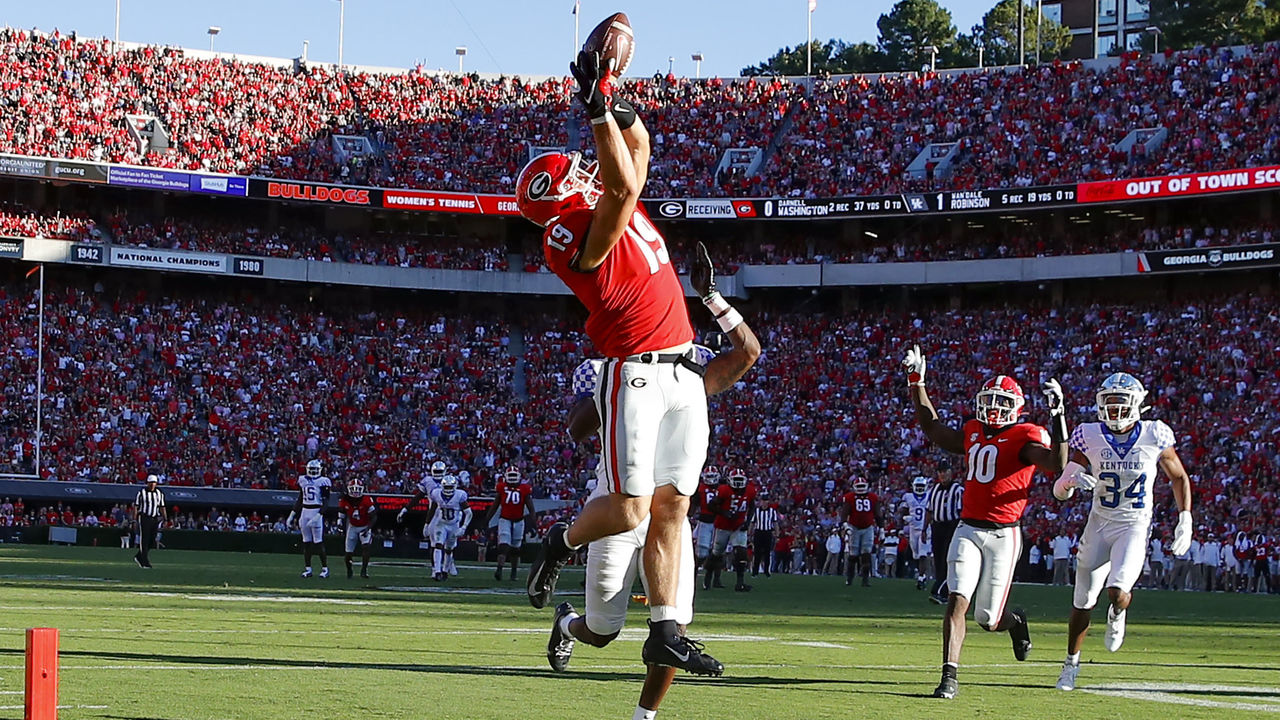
(70, 97)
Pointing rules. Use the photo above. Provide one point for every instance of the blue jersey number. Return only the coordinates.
(1112, 494)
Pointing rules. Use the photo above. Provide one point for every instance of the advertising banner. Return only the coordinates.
(10, 248)
(147, 178)
(168, 260)
(12, 165)
(1195, 259)
(428, 200)
(313, 192)
(498, 204)
(220, 185)
(77, 171)
(1207, 183)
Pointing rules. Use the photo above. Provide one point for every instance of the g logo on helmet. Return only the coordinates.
(539, 185)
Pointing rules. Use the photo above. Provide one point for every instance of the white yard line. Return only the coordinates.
(1166, 693)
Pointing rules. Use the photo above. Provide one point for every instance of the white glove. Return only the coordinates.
(289, 522)
(1182, 533)
(400, 515)
(1084, 481)
(1053, 397)
(914, 363)
(1073, 476)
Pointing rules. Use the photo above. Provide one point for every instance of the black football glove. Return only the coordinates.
(591, 91)
(702, 276)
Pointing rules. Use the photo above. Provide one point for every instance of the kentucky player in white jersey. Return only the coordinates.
(915, 502)
(313, 493)
(450, 517)
(1117, 459)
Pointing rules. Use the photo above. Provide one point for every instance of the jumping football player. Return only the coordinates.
(916, 502)
(599, 241)
(1002, 456)
(1117, 458)
(313, 494)
(860, 509)
(514, 508)
(449, 519)
(614, 562)
(360, 510)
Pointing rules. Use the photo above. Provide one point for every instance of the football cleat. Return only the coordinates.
(364, 574)
(1067, 680)
(1020, 633)
(306, 573)
(937, 599)
(324, 572)
(742, 587)
(560, 645)
(682, 653)
(552, 556)
(138, 559)
(1114, 636)
(497, 574)
(946, 689)
(350, 572)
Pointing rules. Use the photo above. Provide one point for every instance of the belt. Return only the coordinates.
(311, 507)
(684, 359)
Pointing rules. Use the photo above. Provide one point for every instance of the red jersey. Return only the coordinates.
(1260, 551)
(707, 496)
(862, 509)
(360, 512)
(512, 499)
(998, 481)
(733, 506)
(634, 299)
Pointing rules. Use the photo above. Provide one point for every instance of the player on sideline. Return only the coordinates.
(450, 517)
(651, 398)
(1118, 459)
(861, 510)
(1002, 456)
(360, 510)
(733, 505)
(613, 562)
(313, 493)
(514, 507)
(917, 507)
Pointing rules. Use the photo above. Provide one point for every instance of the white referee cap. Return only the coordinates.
(153, 479)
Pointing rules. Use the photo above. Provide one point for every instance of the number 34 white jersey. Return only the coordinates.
(1126, 471)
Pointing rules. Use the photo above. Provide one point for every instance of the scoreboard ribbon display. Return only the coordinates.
(1228, 258)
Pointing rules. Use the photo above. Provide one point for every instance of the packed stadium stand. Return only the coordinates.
(1063, 122)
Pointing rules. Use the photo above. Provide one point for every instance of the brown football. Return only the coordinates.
(614, 40)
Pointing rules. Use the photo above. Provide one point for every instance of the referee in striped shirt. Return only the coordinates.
(943, 513)
(148, 511)
(764, 521)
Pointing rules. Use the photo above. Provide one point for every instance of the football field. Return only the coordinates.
(223, 635)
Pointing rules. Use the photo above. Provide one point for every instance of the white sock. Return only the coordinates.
(642, 714)
(564, 623)
(1073, 658)
(437, 560)
(659, 613)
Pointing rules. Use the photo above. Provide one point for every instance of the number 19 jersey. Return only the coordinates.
(634, 299)
(997, 481)
(1126, 469)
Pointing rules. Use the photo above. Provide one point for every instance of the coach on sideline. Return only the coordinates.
(942, 512)
(148, 511)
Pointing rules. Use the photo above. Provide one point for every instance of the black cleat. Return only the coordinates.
(742, 587)
(683, 653)
(546, 569)
(717, 584)
(497, 574)
(947, 689)
(513, 575)
(1021, 635)
(350, 573)
(560, 646)
(364, 574)
(937, 599)
(138, 560)
(919, 583)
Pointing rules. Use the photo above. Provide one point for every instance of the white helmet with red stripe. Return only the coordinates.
(511, 476)
(355, 489)
(860, 485)
(1000, 401)
(711, 475)
(737, 479)
(555, 183)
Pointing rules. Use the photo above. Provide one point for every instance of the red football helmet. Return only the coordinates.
(1000, 401)
(554, 183)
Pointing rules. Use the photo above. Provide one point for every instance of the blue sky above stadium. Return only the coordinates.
(510, 36)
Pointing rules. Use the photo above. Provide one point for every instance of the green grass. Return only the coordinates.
(220, 635)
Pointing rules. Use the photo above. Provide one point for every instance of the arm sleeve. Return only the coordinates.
(1078, 441)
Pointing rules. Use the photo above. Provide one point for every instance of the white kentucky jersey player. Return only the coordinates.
(1125, 465)
(446, 525)
(314, 487)
(915, 502)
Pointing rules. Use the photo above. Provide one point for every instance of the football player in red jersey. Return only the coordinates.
(651, 398)
(861, 510)
(1002, 456)
(514, 506)
(360, 511)
(732, 506)
(700, 509)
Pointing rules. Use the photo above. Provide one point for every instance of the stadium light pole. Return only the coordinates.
(213, 33)
(671, 63)
(1039, 24)
(933, 56)
(697, 60)
(40, 375)
(342, 27)
(461, 52)
(1155, 36)
(117, 41)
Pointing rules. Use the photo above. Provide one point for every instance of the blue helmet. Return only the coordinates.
(1120, 401)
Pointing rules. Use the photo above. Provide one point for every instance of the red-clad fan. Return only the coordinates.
(513, 503)
(700, 508)
(861, 510)
(732, 506)
(1001, 455)
(360, 511)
